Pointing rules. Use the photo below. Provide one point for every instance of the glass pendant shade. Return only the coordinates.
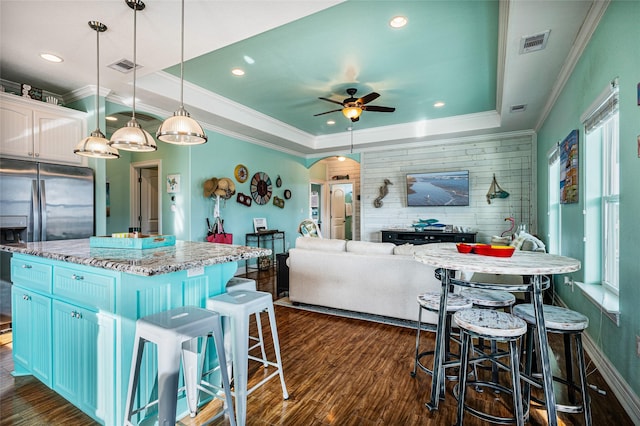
(132, 137)
(96, 146)
(181, 129)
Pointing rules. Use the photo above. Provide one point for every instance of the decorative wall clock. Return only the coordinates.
(243, 199)
(261, 188)
(241, 173)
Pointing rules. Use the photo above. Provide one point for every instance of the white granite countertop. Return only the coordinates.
(445, 255)
(184, 255)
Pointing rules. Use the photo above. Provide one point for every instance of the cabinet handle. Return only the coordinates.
(37, 154)
(77, 277)
(75, 314)
(26, 297)
(29, 153)
(24, 266)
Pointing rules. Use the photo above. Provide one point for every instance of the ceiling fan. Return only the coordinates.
(352, 107)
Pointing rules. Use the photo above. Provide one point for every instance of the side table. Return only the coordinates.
(272, 239)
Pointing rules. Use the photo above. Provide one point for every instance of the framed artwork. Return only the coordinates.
(259, 224)
(173, 184)
(569, 169)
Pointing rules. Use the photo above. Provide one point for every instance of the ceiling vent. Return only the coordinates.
(533, 43)
(124, 66)
(518, 108)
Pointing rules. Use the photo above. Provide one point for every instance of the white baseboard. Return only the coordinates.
(619, 386)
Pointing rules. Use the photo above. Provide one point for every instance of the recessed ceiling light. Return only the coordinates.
(331, 122)
(248, 59)
(237, 71)
(111, 118)
(51, 57)
(398, 21)
(438, 104)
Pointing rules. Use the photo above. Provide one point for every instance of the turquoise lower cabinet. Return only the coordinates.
(31, 314)
(74, 327)
(82, 359)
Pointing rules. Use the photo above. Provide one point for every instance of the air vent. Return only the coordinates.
(534, 42)
(518, 108)
(123, 65)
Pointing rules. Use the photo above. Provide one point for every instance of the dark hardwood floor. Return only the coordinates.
(338, 371)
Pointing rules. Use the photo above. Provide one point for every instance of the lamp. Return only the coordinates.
(352, 111)
(132, 137)
(181, 129)
(96, 145)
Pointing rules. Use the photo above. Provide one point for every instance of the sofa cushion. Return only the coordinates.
(321, 244)
(404, 250)
(367, 247)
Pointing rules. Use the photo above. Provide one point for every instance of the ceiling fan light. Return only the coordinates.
(181, 129)
(96, 146)
(132, 137)
(341, 158)
(352, 112)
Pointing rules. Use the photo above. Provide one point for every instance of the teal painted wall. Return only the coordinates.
(218, 158)
(613, 51)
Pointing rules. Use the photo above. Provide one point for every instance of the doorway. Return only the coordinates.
(341, 209)
(146, 197)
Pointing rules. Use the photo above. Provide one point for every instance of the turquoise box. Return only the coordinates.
(152, 241)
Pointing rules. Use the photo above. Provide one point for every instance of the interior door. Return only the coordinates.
(338, 217)
(149, 201)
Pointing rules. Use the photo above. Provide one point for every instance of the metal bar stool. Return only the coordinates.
(239, 306)
(235, 284)
(491, 325)
(568, 323)
(489, 299)
(430, 301)
(175, 333)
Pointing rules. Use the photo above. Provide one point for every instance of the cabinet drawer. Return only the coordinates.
(32, 275)
(86, 288)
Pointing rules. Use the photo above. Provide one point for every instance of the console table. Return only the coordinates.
(401, 236)
(265, 239)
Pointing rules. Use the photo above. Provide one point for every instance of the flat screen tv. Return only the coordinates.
(449, 188)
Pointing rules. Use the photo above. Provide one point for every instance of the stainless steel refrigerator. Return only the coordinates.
(41, 202)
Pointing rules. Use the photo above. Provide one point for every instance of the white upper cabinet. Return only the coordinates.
(40, 131)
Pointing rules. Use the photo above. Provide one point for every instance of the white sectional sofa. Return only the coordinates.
(374, 278)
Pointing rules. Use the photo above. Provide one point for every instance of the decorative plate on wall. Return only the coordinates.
(241, 173)
(261, 188)
(278, 181)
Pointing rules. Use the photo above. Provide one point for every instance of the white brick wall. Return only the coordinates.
(512, 159)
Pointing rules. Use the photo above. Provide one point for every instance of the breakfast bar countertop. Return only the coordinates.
(445, 255)
(183, 255)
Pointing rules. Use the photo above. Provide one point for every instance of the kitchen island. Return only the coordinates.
(75, 307)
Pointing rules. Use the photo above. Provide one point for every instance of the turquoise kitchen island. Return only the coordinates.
(75, 307)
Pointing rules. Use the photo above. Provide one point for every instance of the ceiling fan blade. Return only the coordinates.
(368, 98)
(328, 112)
(330, 100)
(378, 108)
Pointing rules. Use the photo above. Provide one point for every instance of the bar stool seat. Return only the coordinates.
(489, 298)
(569, 323)
(175, 334)
(239, 306)
(430, 301)
(491, 325)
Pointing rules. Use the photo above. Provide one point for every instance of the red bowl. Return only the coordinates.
(496, 251)
(464, 248)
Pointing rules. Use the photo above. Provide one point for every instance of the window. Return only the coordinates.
(555, 234)
(602, 191)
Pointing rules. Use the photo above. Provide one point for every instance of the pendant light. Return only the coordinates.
(96, 145)
(181, 129)
(132, 137)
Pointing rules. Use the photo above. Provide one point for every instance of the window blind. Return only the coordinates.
(604, 107)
